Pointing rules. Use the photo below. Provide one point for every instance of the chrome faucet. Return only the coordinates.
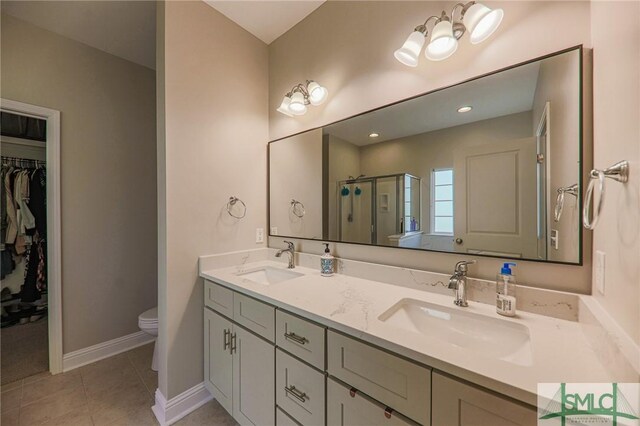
(291, 249)
(458, 282)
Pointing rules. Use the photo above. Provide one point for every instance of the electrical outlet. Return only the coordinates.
(554, 239)
(259, 235)
(600, 267)
(274, 230)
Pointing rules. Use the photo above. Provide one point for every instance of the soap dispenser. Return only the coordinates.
(327, 262)
(506, 291)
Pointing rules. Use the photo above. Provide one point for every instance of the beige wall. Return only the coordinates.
(559, 84)
(348, 47)
(108, 166)
(616, 98)
(215, 138)
(295, 167)
(343, 161)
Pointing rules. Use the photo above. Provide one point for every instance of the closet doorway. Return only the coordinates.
(31, 257)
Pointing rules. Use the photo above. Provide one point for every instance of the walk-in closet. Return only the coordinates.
(24, 247)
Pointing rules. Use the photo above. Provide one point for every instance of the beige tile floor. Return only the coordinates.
(115, 391)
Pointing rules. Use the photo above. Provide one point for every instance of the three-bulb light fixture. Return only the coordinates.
(476, 18)
(295, 102)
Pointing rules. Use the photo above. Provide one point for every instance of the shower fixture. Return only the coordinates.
(476, 18)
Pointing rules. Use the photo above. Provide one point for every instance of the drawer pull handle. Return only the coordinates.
(291, 390)
(387, 412)
(353, 392)
(227, 335)
(232, 346)
(298, 339)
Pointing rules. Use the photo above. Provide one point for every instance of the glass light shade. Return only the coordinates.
(443, 43)
(481, 22)
(409, 53)
(317, 93)
(284, 106)
(297, 106)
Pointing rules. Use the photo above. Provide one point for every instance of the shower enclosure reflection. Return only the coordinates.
(381, 210)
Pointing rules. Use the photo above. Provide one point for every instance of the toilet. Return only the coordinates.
(148, 322)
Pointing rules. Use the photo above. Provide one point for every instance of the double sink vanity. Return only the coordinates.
(289, 346)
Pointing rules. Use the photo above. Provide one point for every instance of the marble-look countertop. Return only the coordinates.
(352, 305)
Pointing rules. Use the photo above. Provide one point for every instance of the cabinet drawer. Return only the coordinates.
(254, 315)
(283, 419)
(218, 298)
(347, 409)
(457, 403)
(299, 390)
(301, 338)
(395, 382)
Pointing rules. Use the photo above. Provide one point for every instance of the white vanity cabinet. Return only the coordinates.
(457, 403)
(239, 365)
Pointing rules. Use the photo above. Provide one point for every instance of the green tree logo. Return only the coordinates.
(588, 406)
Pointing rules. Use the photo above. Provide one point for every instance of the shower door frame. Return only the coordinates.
(54, 254)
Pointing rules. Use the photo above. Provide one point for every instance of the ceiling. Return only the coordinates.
(266, 20)
(499, 94)
(126, 29)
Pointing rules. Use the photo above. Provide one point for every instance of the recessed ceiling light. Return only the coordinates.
(373, 135)
(465, 108)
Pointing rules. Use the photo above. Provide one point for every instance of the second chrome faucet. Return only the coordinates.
(458, 282)
(291, 250)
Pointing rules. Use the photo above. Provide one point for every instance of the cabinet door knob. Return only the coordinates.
(291, 390)
(294, 337)
(387, 412)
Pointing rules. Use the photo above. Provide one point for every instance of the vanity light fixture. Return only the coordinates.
(373, 135)
(466, 108)
(476, 18)
(295, 102)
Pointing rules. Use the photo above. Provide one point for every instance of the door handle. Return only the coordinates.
(291, 390)
(226, 342)
(294, 337)
(458, 240)
(232, 345)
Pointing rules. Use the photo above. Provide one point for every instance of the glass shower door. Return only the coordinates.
(356, 212)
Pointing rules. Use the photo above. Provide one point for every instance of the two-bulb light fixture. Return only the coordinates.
(476, 18)
(295, 102)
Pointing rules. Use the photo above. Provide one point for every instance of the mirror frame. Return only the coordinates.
(581, 167)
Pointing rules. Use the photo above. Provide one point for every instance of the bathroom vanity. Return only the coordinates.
(288, 346)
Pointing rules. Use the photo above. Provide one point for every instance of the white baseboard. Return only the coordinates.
(169, 412)
(104, 350)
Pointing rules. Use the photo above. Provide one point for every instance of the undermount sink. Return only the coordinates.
(481, 335)
(268, 275)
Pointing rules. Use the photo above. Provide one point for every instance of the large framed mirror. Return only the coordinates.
(491, 166)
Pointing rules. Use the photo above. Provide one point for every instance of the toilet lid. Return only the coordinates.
(150, 316)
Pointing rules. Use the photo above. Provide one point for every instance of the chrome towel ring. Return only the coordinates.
(297, 208)
(230, 207)
(573, 190)
(618, 172)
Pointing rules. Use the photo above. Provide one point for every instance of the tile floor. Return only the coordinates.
(115, 391)
(29, 353)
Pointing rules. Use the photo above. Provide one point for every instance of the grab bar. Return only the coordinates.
(618, 172)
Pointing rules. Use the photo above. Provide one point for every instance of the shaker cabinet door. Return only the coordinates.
(253, 379)
(218, 361)
(456, 403)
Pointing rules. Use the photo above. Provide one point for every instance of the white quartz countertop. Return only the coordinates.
(560, 350)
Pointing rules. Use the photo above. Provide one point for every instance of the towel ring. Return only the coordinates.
(619, 172)
(573, 190)
(232, 202)
(297, 208)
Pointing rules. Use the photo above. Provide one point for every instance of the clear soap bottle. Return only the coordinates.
(506, 291)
